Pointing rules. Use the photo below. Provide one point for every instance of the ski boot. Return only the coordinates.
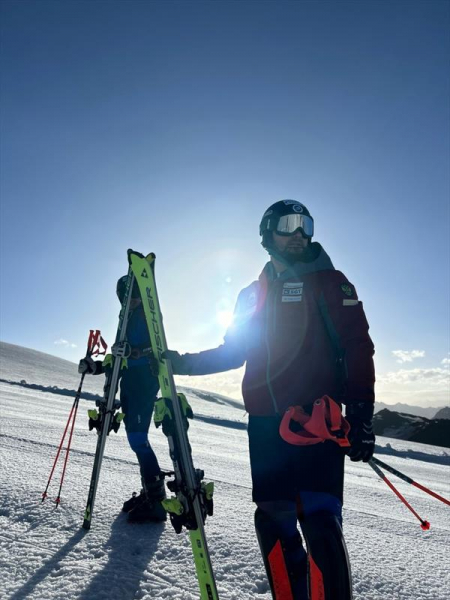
(147, 506)
(135, 499)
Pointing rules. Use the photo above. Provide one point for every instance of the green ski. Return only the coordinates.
(193, 498)
(106, 417)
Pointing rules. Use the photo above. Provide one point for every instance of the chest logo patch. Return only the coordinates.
(347, 289)
(292, 292)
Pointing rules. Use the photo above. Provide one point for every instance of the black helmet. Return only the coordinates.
(122, 286)
(285, 217)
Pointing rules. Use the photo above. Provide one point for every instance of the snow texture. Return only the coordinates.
(45, 554)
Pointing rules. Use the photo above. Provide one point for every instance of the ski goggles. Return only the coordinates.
(289, 224)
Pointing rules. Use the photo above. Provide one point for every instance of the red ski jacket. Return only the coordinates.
(302, 334)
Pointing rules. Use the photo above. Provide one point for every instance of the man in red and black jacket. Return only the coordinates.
(302, 333)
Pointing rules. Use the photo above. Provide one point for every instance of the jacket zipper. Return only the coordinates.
(269, 385)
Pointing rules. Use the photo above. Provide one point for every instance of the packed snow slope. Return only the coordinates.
(45, 554)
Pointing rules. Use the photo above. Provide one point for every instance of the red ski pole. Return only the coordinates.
(424, 524)
(409, 480)
(76, 402)
(95, 341)
(44, 494)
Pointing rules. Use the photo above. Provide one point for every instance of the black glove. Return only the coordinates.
(154, 364)
(121, 349)
(178, 362)
(89, 366)
(361, 436)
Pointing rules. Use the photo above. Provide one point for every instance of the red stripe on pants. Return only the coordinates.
(280, 577)
(316, 588)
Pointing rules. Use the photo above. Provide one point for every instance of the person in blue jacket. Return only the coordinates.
(138, 389)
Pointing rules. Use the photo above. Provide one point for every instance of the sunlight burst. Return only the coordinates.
(225, 317)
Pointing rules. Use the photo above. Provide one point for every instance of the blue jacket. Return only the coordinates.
(137, 335)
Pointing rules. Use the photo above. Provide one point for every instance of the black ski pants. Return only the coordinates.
(299, 485)
(138, 390)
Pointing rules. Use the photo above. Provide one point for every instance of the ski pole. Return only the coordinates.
(93, 349)
(44, 494)
(409, 480)
(75, 405)
(425, 525)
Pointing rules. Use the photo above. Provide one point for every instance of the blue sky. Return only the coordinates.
(171, 126)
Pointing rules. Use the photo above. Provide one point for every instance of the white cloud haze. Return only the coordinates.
(408, 355)
(436, 376)
(425, 387)
(65, 343)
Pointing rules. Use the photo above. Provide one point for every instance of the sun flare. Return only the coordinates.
(225, 317)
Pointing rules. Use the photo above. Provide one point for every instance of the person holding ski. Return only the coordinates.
(138, 389)
(303, 335)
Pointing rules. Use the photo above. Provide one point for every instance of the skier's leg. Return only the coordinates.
(148, 462)
(320, 517)
(282, 550)
(276, 517)
(138, 392)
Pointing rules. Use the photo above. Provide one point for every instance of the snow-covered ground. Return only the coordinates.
(45, 554)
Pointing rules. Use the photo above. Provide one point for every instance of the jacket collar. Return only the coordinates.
(315, 259)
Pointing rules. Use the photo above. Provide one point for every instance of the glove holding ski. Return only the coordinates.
(179, 365)
(87, 366)
(361, 436)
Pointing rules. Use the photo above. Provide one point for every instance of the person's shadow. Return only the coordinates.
(130, 549)
(49, 567)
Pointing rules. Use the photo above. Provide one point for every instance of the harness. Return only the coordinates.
(324, 423)
(140, 351)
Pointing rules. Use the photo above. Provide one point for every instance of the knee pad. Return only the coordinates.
(284, 557)
(329, 576)
(138, 441)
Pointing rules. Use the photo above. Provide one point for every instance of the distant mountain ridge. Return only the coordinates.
(428, 412)
(414, 428)
(444, 413)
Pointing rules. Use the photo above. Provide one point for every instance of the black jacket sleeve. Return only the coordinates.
(230, 355)
(349, 331)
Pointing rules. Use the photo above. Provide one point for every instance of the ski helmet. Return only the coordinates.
(122, 286)
(285, 217)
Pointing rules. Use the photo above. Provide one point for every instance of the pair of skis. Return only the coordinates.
(192, 500)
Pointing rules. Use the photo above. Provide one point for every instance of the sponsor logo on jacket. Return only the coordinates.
(292, 292)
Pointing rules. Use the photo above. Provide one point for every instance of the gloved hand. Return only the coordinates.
(179, 365)
(154, 364)
(89, 366)
(361, 436)
(121, 349)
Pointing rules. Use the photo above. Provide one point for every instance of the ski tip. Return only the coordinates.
(131, 252)
(86, 525)
(149, 257)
